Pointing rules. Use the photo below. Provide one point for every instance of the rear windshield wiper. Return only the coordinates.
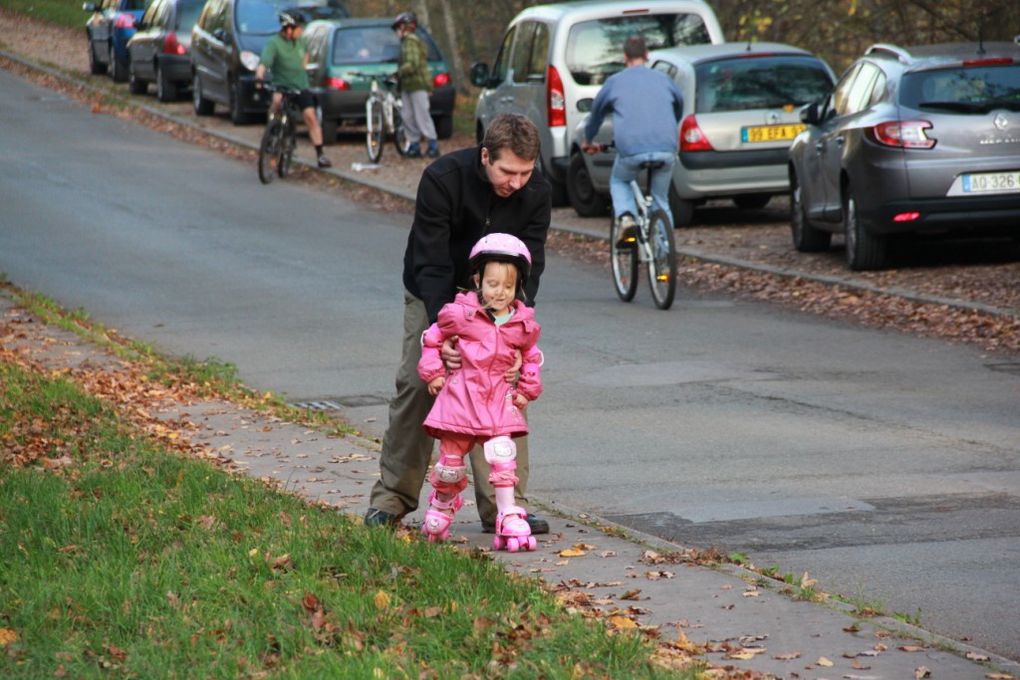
(967, 107)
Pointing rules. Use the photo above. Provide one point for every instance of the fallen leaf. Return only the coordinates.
(974, 656)
(746, 653)
(806, 581)
(631, 594)
(999, 676)
(621, 622)
(910, 648)
(7, 636)
(822, 661)
(921, 672)
(787, 657)
(382, 600)
(572, 552)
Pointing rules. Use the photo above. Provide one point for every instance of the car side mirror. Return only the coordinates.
(584, 105)
(810, 114)
(220, 34)
(480, 74)
(90, 7)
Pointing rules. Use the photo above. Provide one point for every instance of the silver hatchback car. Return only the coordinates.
(741, 113)
(912, 140)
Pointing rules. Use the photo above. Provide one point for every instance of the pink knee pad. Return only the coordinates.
(501, 454)
(449, 474)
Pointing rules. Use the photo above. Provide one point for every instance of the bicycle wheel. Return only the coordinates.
(269, 152)
(400, 133)
(374, 136)
(624, 262)
(662, 265)
(288, 142)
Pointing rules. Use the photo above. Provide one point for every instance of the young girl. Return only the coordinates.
(475, 404)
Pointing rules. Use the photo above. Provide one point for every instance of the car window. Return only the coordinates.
(133, 5)
(842, 91)
(878, 90)
(665, 67)
(860, 92)
(149, 18)
(976, 89)
(215, 15)
(738, 84)
(500, 67)
(261, 17)
(595, 48)
(163, 15)
(187, 14)
(539, 54)
(375, 45)
(522, 50)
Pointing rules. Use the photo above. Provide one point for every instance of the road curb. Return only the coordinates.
(693, 253)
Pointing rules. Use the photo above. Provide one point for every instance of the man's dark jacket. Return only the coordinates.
(455, 207)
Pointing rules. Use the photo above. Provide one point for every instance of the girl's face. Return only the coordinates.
(498, 286)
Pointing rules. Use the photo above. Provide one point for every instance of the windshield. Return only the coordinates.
(261, 17)
(744, 83)
(977, 89)
(187, 14)
(595, 48)
(373, 45)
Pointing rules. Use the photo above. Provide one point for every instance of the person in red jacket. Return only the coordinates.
(475, 405)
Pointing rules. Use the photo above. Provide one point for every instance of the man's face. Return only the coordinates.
(508, 173)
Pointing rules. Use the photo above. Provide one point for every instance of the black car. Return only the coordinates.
(345, 54)
(158, 51)
(226, 43)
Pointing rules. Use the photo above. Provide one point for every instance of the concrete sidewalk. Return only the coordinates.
(737, 617)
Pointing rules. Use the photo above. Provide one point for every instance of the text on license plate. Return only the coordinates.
(770, 133)
(991, 182)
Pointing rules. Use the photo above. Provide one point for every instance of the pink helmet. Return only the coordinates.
(502, 248)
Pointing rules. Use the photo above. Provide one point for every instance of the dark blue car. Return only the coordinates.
(108, 29)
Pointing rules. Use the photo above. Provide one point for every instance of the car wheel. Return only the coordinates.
(135, 84)
(682, 209)
(806, 239)
(586, 201)
(864, 250)
(752, 201)
(328, 125)
(237, 114)
(166, 89)
(444, 126)
(118, 68)
(95, 67)
(202, 106)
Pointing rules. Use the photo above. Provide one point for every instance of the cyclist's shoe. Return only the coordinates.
(380, 518)
(537, 524)
(628, 231)
(433, 151)
(414, 150)
(324, 162)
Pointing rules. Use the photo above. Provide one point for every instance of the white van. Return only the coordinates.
(554, 55)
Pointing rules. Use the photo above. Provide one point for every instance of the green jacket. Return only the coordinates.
(286, 60)
(414, 65)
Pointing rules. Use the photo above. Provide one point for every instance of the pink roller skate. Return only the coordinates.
(437, 524)
(512, 531)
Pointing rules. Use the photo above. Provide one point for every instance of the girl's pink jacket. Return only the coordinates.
(476, 398)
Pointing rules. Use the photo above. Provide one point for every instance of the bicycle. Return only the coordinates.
(652, 245)
(383, 117)
(276, 151)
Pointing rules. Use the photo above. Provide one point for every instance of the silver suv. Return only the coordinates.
(920, 139)
(554, 55)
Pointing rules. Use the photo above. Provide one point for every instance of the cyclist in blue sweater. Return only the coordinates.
(646, 107)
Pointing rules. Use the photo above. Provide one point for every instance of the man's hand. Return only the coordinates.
(590, 148)
(450, 354)
(436, 384)
(513, 374)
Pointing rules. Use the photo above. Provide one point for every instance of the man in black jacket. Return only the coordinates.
(461, 197)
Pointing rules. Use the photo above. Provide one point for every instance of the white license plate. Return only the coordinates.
(991, 182)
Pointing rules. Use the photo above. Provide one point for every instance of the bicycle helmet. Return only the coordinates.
(502, 248)
(288, 19)
(404, 18)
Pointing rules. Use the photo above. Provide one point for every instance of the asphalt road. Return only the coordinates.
(885, 465)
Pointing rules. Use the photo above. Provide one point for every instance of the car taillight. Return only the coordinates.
(338, 84)
(906, 216)
(172, 46)
(905, 134)
(691, 136)
(991, 61)
(441, 80)
(556, 103)
(124, 21)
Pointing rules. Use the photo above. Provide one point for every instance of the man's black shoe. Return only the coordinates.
(324, 162)
(380, 518)
(537, 524)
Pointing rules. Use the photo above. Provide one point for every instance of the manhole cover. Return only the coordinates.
(1013, 368)
(337, 403)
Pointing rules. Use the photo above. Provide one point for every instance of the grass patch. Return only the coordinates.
(62, 12)
(124, 558)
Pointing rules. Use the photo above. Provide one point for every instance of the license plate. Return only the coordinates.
(770, 133)
(991, 182)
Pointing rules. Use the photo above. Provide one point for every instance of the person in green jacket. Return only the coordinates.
(286, 55)
(415, 86)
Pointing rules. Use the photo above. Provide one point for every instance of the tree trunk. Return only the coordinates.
(460, 76)
(421, 8)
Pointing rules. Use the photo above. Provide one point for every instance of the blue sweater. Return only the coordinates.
(646, 107)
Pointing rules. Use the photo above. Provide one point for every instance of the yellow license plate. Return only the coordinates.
(770, 133)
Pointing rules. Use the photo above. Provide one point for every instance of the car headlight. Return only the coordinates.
(250, 60)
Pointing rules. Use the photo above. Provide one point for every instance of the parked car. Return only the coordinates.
(912, 140)
(108, 29)
(158, 51)
(341, 52)
(741, 113)
(554, 55)
(226, 43)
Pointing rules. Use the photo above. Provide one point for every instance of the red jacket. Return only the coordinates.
(476, 398)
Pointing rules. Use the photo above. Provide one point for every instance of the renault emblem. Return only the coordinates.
(1001, 122)
(772, 117)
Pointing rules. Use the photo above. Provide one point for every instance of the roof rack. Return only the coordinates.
(901, 54)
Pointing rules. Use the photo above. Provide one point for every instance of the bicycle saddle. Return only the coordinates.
(652, 165)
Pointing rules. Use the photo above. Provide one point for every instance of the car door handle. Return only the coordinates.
(839, 141)
(819, 147)
(506, 100)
